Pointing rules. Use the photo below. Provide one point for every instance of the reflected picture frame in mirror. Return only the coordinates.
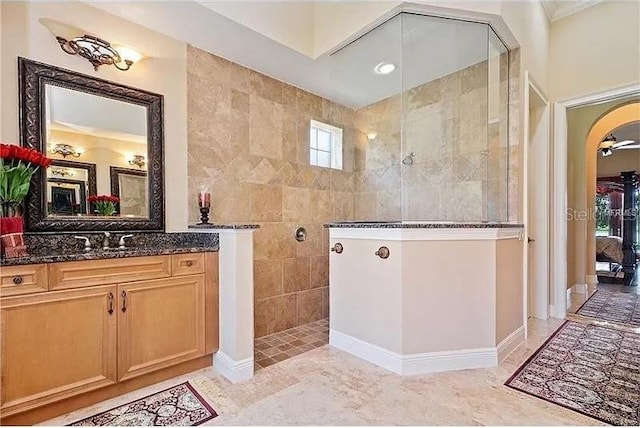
(84, 187)
(33, 80)
(130, 206)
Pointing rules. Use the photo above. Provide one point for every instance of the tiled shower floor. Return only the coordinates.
(280, 346)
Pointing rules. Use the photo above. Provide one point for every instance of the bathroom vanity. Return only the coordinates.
(426, 297)
(80, 328)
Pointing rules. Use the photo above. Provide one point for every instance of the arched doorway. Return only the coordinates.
(611, 121)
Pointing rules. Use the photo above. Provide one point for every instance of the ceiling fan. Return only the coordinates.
(611, 143)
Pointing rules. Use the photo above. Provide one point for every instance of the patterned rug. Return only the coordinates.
(179, 405)
(613, 306)
(590, 369)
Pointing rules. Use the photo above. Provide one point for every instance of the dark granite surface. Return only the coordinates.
(225, 226)
(63, 247)
(420, 225)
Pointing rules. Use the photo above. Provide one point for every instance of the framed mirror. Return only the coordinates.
(95, 131)
(69, 184)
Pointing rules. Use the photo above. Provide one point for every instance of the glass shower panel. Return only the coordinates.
(368, 75)
(444, 144)
(497, 195)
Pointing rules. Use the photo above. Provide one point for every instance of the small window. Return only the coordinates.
(325, 145)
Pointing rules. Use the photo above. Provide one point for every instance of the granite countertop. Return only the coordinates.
(54, 248)
(100, 254)
(224, 226)
(421, 225)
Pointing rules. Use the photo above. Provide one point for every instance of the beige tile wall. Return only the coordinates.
(248, 139)
(249, 143)
(460, 165)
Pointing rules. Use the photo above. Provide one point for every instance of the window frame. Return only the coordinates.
(336, 144)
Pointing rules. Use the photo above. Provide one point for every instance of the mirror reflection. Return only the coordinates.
(99, 147)
(68, 186)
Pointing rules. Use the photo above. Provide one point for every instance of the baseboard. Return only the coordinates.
(367, 351)
(235, 371)
(580, 288)
(510, 343)
(413, 364)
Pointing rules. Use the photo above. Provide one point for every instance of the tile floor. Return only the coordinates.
(283, 345)
(326, 386)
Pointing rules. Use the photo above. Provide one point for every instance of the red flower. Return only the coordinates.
(17, 153)
(103, 198)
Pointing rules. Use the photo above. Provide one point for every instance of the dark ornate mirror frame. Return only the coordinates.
(33, 77)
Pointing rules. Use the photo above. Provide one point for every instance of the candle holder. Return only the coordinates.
(204, 215)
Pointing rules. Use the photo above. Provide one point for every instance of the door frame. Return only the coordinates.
(542, 174)
(560, 203)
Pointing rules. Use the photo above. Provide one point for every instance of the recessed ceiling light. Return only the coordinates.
(384, 68)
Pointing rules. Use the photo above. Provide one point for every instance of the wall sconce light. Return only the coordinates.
(62, 172)
(138, 160)
(371, 136)
(65, 150)
(94, 49)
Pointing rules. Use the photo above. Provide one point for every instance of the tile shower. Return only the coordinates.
(444, 111)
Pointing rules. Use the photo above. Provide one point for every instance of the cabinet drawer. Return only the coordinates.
(187, 264)
(25, 279)
(99, 272)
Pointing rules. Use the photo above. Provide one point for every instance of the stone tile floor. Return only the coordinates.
(326, 386)
(283, 345)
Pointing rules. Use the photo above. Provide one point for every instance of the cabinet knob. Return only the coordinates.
(17, 280)
(337, 248)
(189, 263)
(383, 252)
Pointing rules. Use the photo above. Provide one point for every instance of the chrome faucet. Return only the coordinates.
(121, 243)
(105, 241)
(87, 243)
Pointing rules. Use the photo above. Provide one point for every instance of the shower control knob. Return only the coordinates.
(337, 248)
(383, 253)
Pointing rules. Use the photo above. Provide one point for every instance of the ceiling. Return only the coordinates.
(423, 49)
(84, 113)
(428, 49)
(628, 132)
(561, 9)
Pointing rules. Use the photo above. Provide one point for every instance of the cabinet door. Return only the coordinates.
(161, 323)
(56, 345)
(365, 291)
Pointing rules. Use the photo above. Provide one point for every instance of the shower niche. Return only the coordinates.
(428, 139)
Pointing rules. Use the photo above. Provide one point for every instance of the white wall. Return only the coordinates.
(163, 72)
(595, 49)
(528, 23)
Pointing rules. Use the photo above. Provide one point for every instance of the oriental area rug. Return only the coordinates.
(180, 405)
(590, 369)
(613, 306)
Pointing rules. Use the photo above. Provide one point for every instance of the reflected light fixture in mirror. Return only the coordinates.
(94, 49)
(62, 172)
(138, 160)
(65, 150)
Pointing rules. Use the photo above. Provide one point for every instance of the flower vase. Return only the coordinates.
(11, 232)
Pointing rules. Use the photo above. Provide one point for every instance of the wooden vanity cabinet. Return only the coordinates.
(160, 323)
(55, 345)
(58, 344)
